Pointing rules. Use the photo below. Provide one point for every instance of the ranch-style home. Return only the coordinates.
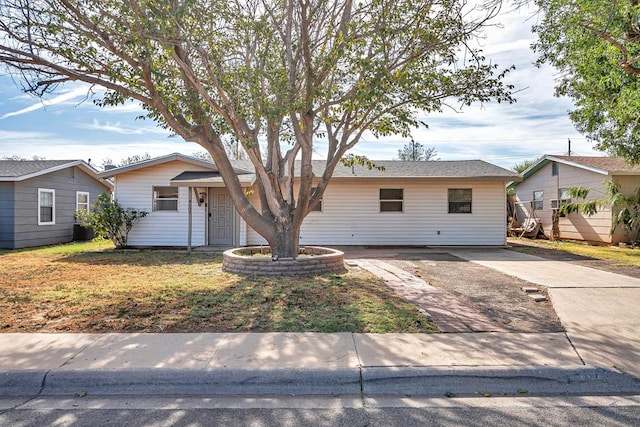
(38, 200)
(409, 203)
(543, 190)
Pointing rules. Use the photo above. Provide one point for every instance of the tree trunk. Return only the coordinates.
(285, 243)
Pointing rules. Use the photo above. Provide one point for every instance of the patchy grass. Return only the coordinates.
(89, 287)
(622, 256)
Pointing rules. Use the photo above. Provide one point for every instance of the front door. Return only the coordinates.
(221, 214)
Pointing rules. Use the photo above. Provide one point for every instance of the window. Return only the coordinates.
(459, 200)
(391, 199)
(564, 198)
(165, 198)
(538, 197)
(554, 168)
(82, 200)
(318, 207)
(46, 206)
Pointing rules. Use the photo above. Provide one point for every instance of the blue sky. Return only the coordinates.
(69, 126)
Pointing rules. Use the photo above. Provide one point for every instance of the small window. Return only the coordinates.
(538, 198)
(564, 198)
(554, 169)
(165, 198)
(459, 200)
(318, 207)
(46, 206)
(82, 200)
(391, 199)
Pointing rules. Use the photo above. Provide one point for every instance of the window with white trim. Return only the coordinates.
(459, 200)
(46, 206)
(318, 207)
(391, 199)
(165, 198)
(538, 199)
(82, 201)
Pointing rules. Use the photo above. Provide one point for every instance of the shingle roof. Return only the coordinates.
(392, 168)
(18, 168)
(402, 169)
(610, 164)
(429, 169)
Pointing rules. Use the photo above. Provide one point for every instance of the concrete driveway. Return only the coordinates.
(600, 310)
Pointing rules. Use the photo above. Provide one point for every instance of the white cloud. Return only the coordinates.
(119, 128)
(76, 93)
(127, 108)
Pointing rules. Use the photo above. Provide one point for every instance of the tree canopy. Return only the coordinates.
(596, 46)
(416, 152)
(523, 165)
(295, 76)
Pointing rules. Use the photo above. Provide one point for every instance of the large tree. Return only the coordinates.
(596, 46)
(293, 75)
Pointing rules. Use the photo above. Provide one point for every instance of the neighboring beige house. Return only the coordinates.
(543, 187)
(409, 203)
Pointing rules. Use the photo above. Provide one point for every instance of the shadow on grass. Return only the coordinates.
(141, 258)
(327, 303)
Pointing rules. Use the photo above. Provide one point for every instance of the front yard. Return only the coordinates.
(88, 287)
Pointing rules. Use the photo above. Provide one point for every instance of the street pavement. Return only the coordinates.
(597, 355)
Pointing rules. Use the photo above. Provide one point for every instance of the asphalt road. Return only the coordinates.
(322, 411)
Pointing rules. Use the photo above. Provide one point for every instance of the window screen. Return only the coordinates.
(459, 200)
(391, 199)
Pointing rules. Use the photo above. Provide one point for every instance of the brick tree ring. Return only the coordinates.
(257, 260)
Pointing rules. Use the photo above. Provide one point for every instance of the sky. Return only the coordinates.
(67, 125)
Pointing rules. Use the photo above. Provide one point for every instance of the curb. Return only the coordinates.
(498, 381)
(22, 383)
(403, 381)
(243, 381)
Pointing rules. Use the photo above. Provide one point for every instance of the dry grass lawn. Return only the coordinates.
(89, 287)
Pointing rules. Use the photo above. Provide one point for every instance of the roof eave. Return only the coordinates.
(155, 162)
(489, 178)
(86, 167)
(248, 182)
(580, 165)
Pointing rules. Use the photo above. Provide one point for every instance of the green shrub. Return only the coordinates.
(110, 220)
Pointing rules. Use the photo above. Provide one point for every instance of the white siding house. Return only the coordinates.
(409, 203)
(135, 189)
(351, 215)
(546, 179)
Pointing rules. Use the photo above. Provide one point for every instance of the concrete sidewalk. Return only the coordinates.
(298, 363)
(599, 310)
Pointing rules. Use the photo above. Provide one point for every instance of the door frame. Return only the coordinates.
(211, 191)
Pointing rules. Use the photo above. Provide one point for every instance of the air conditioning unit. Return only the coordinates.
(555, 204)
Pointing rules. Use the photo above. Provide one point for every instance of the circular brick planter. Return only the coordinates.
(313, 260)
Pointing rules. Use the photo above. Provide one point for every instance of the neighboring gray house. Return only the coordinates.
(38, 199)
(409, 203)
